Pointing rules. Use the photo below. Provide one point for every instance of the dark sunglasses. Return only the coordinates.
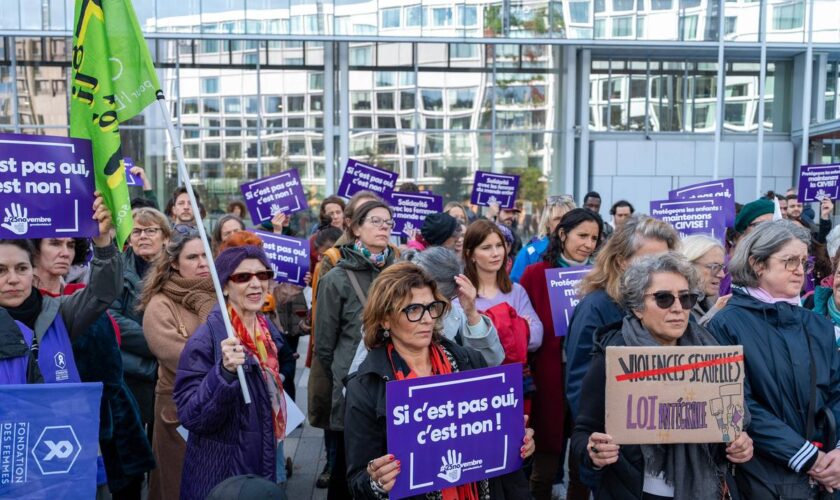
(664, 300)
(415, 312)
(246, 277)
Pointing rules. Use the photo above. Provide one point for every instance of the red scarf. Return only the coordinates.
(440, 366)
(265, 352)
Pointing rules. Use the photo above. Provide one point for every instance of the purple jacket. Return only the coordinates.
(226, 437)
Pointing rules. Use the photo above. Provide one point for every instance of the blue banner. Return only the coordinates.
(49, 439)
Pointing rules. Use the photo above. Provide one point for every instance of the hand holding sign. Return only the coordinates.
(278, 221)
(102, 216)
(741, 449)
(383, 471)
(826, 207)
(602, 451)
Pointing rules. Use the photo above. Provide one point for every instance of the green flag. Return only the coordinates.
(113, 80)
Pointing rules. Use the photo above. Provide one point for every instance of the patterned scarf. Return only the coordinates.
(378, 259)
(440, 366)
(265, 352)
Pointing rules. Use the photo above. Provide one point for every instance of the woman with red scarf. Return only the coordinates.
(402, 331)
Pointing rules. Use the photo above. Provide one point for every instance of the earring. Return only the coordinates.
(386, 333)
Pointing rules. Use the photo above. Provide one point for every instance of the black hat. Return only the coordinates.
(438, 227)
(246, 487)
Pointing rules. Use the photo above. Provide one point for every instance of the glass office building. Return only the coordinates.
(626, 97)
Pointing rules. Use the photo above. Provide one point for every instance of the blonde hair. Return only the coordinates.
(694, 247)
(565, 203)
(152, 217)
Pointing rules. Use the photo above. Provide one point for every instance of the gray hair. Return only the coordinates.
(756, 248)
(832, 242)
(694, 247)
(441, 264)
(639, 275)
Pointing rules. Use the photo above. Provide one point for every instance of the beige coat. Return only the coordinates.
(167, 326)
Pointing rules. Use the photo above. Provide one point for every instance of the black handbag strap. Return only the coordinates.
(354, 282)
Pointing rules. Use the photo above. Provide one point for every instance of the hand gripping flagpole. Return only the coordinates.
(184, 174)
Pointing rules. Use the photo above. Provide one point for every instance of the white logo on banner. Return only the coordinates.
(16, 219)
(56, 450)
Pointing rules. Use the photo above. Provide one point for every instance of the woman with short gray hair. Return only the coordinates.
(792, 378)
(658, 291)
(708, 256)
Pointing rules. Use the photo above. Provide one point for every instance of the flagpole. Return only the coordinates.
(184, 174)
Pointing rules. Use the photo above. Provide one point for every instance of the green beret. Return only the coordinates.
(752, 211)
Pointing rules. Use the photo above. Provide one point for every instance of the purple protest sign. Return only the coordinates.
(360, 176)
(700, 216)
(131, 179)
(819, 181)
(289, 257)
(281, 192)
(722, 189)
(47, 186)
(410, 209)
(455, 429)
(494, 188)
(562, 285)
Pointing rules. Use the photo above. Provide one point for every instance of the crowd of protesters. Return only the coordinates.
(467, 290)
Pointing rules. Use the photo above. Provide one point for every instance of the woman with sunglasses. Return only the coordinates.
(226, 436)
(658, 292)
(792, 379)
(402, 329)
(341, 299)
(708, 256)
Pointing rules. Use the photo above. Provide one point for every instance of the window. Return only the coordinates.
(316, 103)
(361, 56)
(619, 5)
(688, 27)
(600, 27)
(407, 100)
(273, 104)
(579, 11)
(384, 100)
(735, 113)
(297, 147)
(359, 100)
(386, 122)
(461, 99)
(316, 81)
(210, 85)
(434, 143)
(442, 16)
(252, 105)
(362, 122)
(274, 125)
(413, 16)
(661, 4)
(384, 78)
(640, 27)
(297, 122)
(729, 24)
(789, 17)
(390, 18)
(191, 151)
(462, 123)
(189, 106)
(233, 150)
(432, 99)
(191, 132)
(687, 4)
(213, 129)
(233, 105)
(622, 26)
(468, 15)
(233, 128)
(463, 51)
(296, 103)
(210, 105)
(434, 123)
(600, 6)
(212, 150)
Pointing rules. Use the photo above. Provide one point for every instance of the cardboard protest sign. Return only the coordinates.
(131, 179)
(674, 394)
(410, 209)
(722, 190)
(455, 429)
(289, 257)
(49, 438)
(701, 216)
(562, 285)
(360, 176)
(47, 186)
(281, 192)
(817, 182)
(489, 189)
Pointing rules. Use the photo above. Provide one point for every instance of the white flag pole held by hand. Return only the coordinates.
(184, 174)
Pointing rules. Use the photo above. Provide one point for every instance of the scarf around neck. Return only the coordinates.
(764, 296)
(691, 469)
(27, 313)
(833, 312)
(378, 259)
(196, 295)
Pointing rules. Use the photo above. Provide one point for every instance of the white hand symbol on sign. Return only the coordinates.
(18, 219)
(451, 470)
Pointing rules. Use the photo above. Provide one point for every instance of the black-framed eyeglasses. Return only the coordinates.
(793, 263)
(415, 312)
(151, 232)
(379, 221)
(664, 300)
(246, 277)
(715, 268)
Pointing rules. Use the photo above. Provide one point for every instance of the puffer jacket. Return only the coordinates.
(782, 344)
(339, 324)
(138, 360)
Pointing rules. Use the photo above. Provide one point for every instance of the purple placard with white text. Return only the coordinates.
(131, 179)
(489, 189)
(817, 182)
(281, 192)
(700, 216)
(47, 187)
(360, 176)
(721, 189)
(410, 209)
(562, 285)
(289, 257)
(455, 429)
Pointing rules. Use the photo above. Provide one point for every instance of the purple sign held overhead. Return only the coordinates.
(817, 182)
(489, 189)
(360, 176)
(288, 256)
(455, 429)
(700, 216)
(47, 187)
(562, 285)
(410, 209)
(281, 192)
(721, 189)
(131, 179)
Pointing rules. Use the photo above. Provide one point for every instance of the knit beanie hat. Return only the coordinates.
(229, 260)
(438, 227)
(752, 211)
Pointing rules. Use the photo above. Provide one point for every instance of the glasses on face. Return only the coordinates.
(664, 300)
(714, 269)
(148, 231)
(793, 263)
(246, 277)
(415, 312)
(379, 221)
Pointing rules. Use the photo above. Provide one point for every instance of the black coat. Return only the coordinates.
(365, 432)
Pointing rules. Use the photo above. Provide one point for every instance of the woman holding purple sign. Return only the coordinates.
(402, 329)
